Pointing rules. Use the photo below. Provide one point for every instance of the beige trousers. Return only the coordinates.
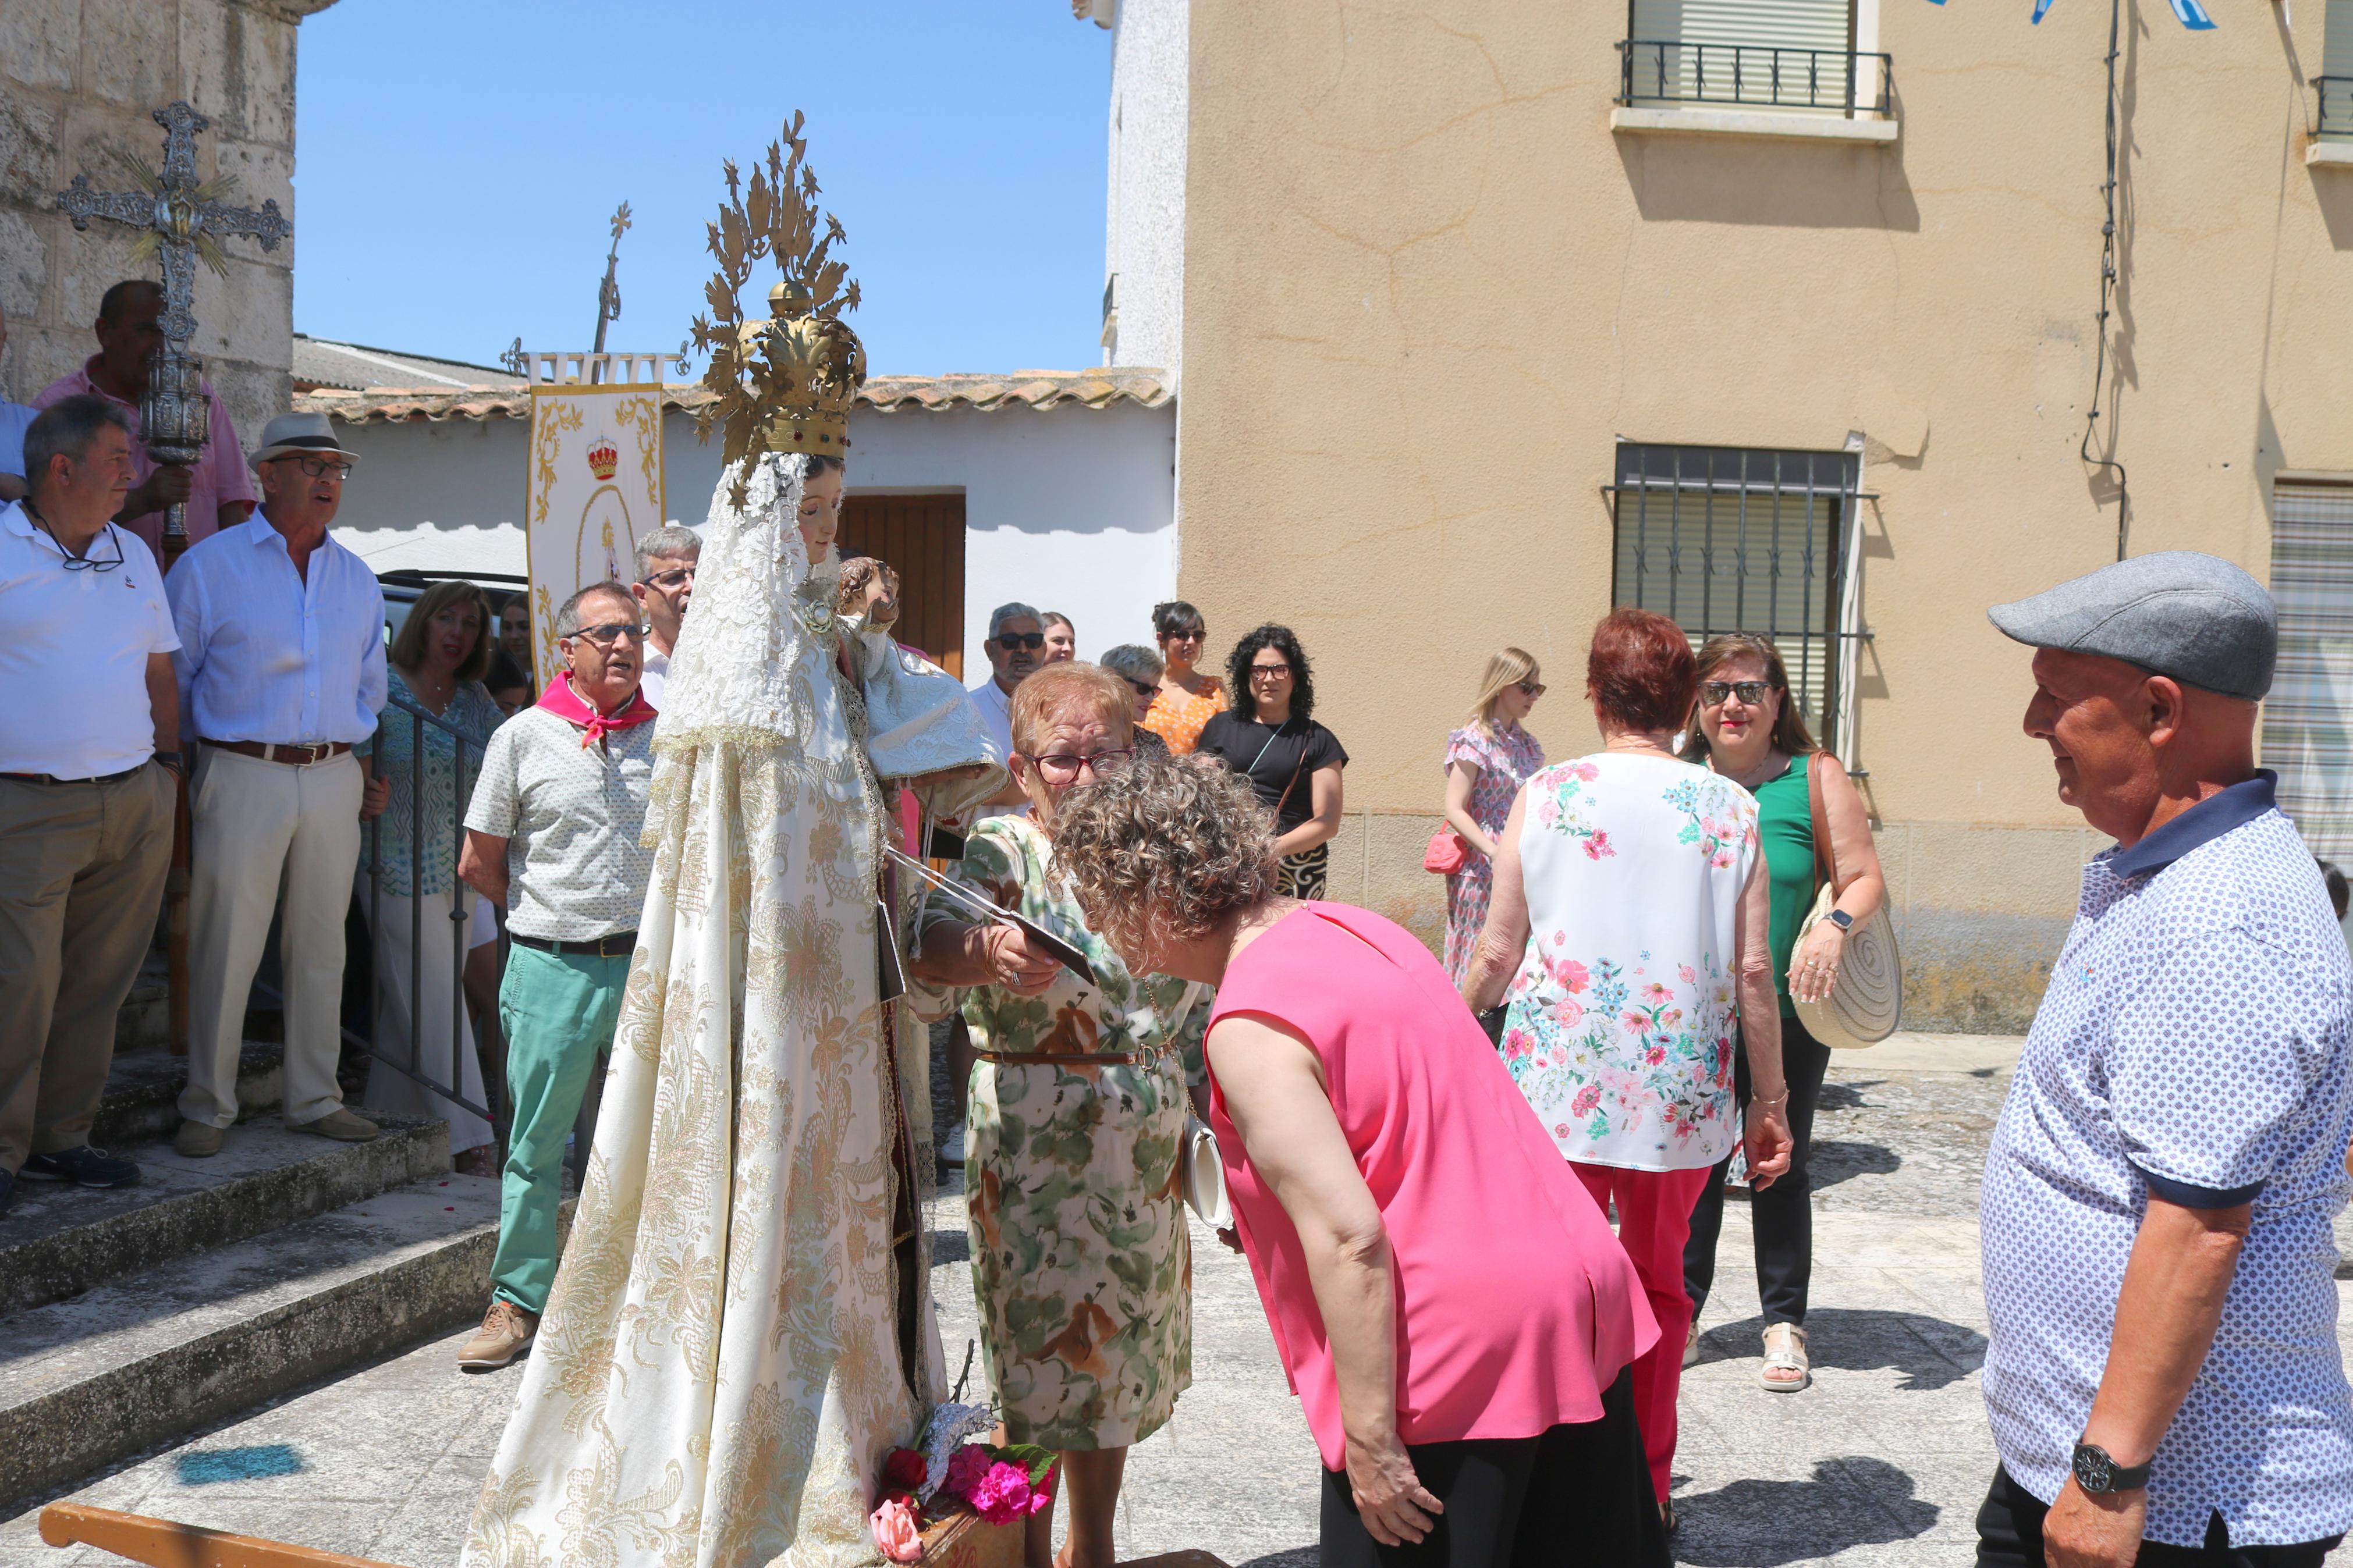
(81, 876)
(261, 829)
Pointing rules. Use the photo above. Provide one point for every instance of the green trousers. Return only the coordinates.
(559, 1011)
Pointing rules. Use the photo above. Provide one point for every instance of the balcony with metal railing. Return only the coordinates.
(1760, 89)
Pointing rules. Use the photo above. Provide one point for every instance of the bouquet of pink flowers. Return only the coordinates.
(1001, 1484)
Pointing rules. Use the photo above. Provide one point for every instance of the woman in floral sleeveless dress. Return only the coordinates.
(1486, 762)
(1632, 925)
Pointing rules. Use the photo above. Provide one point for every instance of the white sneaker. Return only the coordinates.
(952, 1152)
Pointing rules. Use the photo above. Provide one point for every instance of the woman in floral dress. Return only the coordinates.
(1486, 762)
(1631, 908)
(1082, 1263)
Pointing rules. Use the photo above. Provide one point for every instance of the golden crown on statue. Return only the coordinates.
(783, 383)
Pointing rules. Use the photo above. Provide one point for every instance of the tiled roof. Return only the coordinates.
(1097, 388)
(355, 367)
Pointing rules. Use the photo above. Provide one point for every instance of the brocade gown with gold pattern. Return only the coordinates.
(724, 1360)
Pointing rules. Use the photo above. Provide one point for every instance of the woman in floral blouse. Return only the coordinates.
(1486, 762)
(437, 665)
(1082, 1263)
(1630, 908)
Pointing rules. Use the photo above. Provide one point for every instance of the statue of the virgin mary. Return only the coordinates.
(741, 1328)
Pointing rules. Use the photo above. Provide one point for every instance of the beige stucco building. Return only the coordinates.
(1444, 296)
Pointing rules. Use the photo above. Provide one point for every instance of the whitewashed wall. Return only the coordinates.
(1069, 509)
(1143, 241)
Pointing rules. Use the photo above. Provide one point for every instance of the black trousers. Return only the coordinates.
(2009, 1535)
(1782, 1215)
(1576, 1494)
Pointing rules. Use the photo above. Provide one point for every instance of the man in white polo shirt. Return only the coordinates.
(86, 643)
(281, 673)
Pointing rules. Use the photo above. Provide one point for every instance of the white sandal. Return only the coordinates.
(1785, 1351)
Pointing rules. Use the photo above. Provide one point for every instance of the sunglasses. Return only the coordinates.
(1145, 688)
(610, 633)
(1530, 688)
(1009, 641)
(1061, 768)
(1712, 693)
(672, 578)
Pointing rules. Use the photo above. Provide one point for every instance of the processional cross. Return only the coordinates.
(182, 217)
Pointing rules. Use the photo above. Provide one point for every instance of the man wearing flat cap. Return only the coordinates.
(2162, 1373)
(281, 673)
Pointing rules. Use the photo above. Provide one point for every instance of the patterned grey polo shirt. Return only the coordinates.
(2196, 1042)
(570, 816)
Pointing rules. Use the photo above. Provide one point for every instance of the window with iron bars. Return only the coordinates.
(1789, 55)
(1728, 538)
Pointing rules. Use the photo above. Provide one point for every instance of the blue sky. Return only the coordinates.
(457, 164)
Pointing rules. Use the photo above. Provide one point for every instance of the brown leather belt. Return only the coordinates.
(300, 756)
(1068, 1059)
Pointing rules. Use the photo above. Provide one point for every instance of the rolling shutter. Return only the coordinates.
(1752, 52)
(2308, 717)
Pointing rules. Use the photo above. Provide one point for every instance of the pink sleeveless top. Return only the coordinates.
(1517, 1306)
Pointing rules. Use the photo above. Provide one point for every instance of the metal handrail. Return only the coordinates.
(1756, 75)
(2335, 119)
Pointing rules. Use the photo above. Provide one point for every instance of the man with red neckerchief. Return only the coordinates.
(551, 834)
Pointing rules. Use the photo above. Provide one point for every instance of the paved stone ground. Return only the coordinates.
(1882, 1463)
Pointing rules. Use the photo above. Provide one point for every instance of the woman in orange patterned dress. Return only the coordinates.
(1187, 697)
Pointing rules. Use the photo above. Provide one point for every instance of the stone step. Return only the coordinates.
(143, 1092)
(84, 1383)
(60, 1241)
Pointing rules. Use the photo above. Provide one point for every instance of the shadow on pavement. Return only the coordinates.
(1831, 1162)
(1849, 1502)
(1930, 1352)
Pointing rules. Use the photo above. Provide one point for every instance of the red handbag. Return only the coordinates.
(1446, 852)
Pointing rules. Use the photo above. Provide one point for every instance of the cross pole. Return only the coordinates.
(178, 210)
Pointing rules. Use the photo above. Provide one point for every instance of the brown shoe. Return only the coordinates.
(197, 1139)
(340, 1125)
(506, 1332)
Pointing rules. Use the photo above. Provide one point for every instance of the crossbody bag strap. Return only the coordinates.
(1305, 740)
(1825, 855)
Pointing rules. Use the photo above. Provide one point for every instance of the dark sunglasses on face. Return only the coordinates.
(1145, 688)
(1530, 688)
(1712, 693)
(1061, 768)
(610, 633)
(1009, 641)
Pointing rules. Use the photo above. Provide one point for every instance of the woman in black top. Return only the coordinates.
(1293, 762)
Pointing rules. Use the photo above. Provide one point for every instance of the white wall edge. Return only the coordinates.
(2324, 152)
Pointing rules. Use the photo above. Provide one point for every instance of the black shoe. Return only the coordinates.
(84, 1167)
(7, 1189)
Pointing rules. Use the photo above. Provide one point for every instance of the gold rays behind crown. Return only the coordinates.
(783, 383)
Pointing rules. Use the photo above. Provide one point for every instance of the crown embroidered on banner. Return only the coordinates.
(786, 383)
(603, 457)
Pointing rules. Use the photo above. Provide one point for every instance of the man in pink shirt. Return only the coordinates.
(218, 494)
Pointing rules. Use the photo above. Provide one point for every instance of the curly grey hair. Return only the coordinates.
(1163, 848)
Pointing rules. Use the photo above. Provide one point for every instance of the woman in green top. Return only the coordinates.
(1755, 737)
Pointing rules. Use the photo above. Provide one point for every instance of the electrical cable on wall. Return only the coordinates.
(2107, 287)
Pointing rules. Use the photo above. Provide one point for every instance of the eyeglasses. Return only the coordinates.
(1009, 641)
(1530, 688)
(73, 563)
(1712, 693)
(321, 467)
(1190, 634)
(1061, 768)
(1259, 671)
(610, 633)
(1144, 687)
(672, 578)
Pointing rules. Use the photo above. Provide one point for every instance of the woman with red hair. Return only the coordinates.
(1627, 936)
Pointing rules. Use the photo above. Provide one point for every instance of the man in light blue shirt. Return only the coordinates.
(2162, 1374)
(281, 672)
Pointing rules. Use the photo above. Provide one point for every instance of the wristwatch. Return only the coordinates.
(1840, 919)
(2098, 1474)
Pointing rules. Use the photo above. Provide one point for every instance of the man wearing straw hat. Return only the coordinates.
(2163, 1365)
(281, 672)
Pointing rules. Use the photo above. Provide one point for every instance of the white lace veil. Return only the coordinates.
(757, 608)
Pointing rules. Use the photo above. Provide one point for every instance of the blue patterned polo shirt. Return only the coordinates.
(2196, 1042)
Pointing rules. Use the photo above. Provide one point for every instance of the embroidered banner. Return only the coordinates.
(594, 487)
